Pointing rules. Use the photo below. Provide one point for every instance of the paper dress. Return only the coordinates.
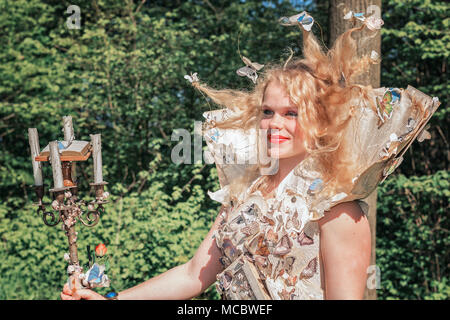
(270, 248)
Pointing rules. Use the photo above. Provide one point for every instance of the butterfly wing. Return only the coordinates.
(94, 274)
(247, 72)
(424, 135)
(257, 66)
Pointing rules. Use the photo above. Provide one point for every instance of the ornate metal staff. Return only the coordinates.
(67, 206)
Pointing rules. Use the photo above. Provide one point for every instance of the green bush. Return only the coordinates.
(145, 234)
(121, 75)
(412, 237)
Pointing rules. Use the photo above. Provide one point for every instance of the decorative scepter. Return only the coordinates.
(67, 206)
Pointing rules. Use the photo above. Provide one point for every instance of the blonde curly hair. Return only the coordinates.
(321, 85)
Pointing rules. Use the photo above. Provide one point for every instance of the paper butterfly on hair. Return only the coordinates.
(192, 77)
(354, 16)
(304, 19)
(250, 69)
(372, 23)
(385, 106)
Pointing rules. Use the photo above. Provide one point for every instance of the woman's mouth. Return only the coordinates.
(274, 138)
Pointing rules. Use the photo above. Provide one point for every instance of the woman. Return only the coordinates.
(295, 230)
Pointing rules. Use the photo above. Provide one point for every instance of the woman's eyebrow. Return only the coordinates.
(283, 107)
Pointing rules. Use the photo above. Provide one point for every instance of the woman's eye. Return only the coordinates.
(291, 113)
(267, 112)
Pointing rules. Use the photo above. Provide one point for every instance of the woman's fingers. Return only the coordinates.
(78, 294)
(66, 290)
(86, 294)
(66, 297)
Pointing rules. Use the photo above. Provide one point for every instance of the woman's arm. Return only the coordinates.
(181, 282)
(345, 247)
(185, 281)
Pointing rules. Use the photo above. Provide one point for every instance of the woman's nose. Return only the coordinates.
(276, 122)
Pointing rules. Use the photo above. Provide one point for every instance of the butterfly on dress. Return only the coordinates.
(391, 146)
(215, 135)
(424, 135)
(284, 246)
(304, 239)
(303, 18)
(250, 69)
(316, 186)
(310, 269)
(386, 105)
(394, 163)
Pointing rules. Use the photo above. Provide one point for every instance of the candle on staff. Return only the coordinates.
(33, 139)
(96, 140)
(56, 165)
(69, 135)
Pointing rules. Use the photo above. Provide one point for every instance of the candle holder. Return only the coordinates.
(67, 207)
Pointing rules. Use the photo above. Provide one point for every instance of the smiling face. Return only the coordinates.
(279, 118)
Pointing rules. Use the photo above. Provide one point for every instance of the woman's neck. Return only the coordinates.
(284, 167)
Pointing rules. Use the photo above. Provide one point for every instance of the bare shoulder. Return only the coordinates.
(346, 212)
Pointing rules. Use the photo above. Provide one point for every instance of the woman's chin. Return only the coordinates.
(277, 155)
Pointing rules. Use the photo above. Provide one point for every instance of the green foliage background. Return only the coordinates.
(121, 75)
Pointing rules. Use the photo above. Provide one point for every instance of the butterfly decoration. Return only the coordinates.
(410, 125)
(263, 265)
(229, 249)
(111, 295)
(391, 146)
(250, 69)
(271, 236)
(373, 23)
(394, 165)
(61, 145)
(215, 135)
(303, 18)
(251, 229)
(284, 246)
(257, 246)
(310, 269)
(316, 186)
(304, 240)
(96, 277)
(354, 16)
(386, 105)
(424, 135)
(192, 78)
(374, 56)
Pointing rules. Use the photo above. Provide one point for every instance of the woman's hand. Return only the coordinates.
(74, 292)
